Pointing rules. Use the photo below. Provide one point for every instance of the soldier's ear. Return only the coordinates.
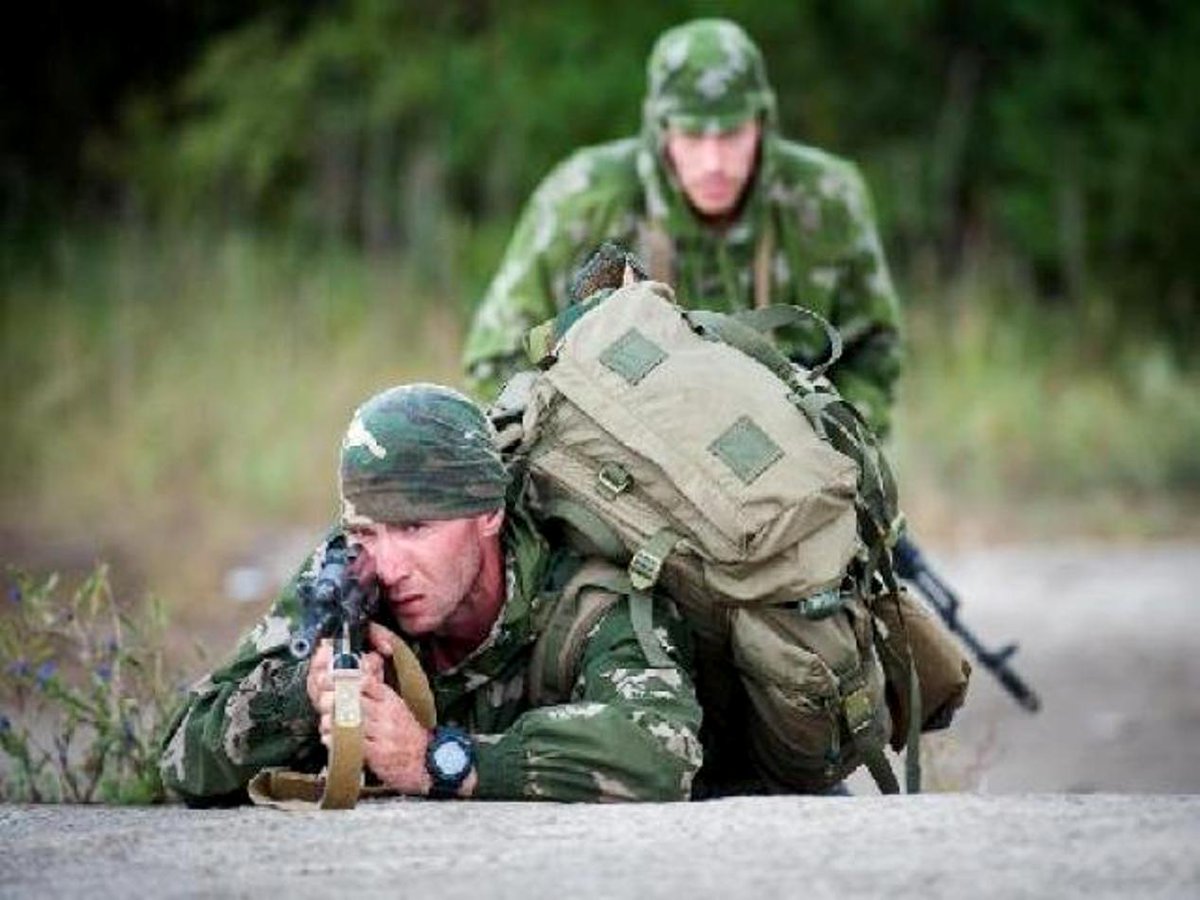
(630, 276)
(490, 523)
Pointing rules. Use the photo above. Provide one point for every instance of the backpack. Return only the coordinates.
(681, 447)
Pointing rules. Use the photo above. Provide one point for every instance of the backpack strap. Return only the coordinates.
(586, 598)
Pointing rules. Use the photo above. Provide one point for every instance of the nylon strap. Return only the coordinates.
(343, 777)
(342, 783)
(766, 319)
(860, 717)
(647, 562)
(641, 614)
(412, 684)
(603, 538)
(763, 254)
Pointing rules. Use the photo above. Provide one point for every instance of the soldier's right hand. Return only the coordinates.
(319, 683)
(319, 680)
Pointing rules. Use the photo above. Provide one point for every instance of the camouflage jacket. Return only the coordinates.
(628, 732)
(808, 209)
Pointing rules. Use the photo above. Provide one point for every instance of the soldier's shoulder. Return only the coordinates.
(796, 161)
(595, 175)
(802, 171)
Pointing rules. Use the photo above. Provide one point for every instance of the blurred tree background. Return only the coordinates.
(224, 223)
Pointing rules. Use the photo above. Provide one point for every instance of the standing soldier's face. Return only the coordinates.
(714, 169)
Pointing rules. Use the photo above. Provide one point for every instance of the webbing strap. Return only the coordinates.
(647, 562)
(768, 318)
(412, 684)
(912, 757)
(763, 253)
(341, 785)
(877, 765)
(343, 777)
(603, 538)
(859, 711)
(641, 614)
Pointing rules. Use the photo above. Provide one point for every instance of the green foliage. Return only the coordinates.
(86, 694)
(200, 370)
(1009, 401)
(1058, 134)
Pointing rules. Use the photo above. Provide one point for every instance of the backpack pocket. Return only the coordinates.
(816, 691)
(910, 630)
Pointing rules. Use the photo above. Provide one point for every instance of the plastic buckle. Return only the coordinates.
(644, 569)
(612, 480)
(859, 710)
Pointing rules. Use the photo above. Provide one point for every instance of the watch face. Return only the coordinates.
(450, 758)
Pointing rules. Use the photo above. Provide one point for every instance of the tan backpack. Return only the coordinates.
(683, 448)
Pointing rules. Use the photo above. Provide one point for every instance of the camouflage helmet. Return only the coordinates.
(419, 452)
(706, 75)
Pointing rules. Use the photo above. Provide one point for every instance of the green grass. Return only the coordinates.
(1009, 404)
(163, 387)
(141, 370)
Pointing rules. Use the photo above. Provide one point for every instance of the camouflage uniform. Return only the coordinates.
(628, 732)
(806, 225)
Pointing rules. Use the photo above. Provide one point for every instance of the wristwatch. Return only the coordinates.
(449, 759)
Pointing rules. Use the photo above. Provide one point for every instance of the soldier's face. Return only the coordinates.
(714, 169)
(427, 570)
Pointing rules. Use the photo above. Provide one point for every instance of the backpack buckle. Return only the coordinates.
(612, 480)
(859, 710)
(644, 569)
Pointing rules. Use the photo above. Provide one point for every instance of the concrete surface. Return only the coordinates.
(928, 846)
(1110, 636)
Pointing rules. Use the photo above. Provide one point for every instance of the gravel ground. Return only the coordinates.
(1108, 637)
(929, 846)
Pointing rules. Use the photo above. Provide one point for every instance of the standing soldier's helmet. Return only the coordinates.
(706, 76)
(416, 453)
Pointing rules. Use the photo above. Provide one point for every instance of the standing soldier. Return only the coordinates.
(719, 205)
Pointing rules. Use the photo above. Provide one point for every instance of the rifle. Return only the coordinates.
(911, 565)
(337, 605)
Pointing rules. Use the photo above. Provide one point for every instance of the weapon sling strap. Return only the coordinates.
(657, 249)
(341, 785)
(587, 597)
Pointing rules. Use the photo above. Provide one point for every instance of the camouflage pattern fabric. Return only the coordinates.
(809, 209)
(628, 733)
(419, 452)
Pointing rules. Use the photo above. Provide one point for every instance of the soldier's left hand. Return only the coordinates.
(395, 742)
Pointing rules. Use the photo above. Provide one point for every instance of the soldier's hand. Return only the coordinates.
(319, 680)
(320, 683)
(383, 639)
(395, 742)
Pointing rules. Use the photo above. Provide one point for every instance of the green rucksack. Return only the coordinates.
(681, 447)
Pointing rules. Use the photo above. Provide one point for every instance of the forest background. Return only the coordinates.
(223, 224)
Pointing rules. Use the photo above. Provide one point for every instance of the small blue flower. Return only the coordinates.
(5, 724)
(104, 672)
(45, 672)
(14, 593)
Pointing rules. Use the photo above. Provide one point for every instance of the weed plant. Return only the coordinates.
(85, 697)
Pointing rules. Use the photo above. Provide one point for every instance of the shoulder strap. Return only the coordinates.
(593, 590)
(579, 607)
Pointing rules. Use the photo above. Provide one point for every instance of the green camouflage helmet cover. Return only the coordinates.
(706, 76)
(419, 452)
